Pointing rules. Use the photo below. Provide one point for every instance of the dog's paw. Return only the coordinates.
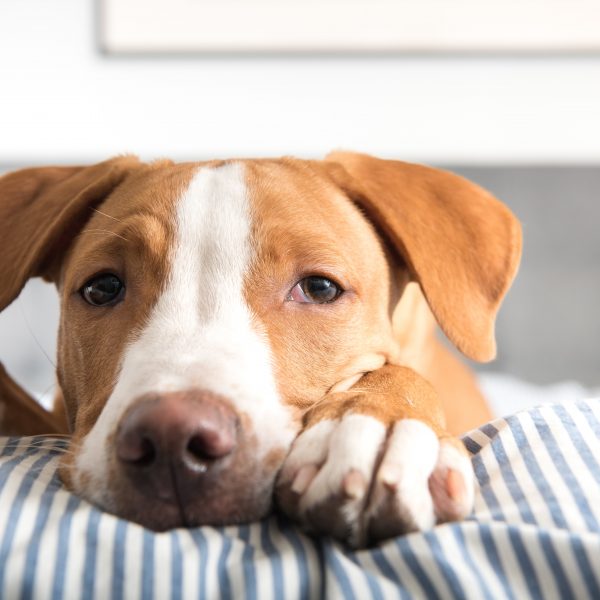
(360, 482)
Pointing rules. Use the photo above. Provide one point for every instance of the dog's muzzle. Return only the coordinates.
(185, 459)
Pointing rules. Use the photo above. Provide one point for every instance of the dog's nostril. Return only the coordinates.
(210, 445)
(146, 455)
(139, 451)
(171, 441)
(197, 448)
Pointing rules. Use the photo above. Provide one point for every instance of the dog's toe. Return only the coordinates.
(352, 479)
(326, 479)
(421, 481)
(452, 483)
(400, 500)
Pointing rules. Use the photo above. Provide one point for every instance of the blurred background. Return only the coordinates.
(519, 114)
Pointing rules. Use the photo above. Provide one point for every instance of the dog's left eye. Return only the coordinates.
(103, 289)
(315, 290)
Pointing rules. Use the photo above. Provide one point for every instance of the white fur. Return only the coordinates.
(411, 454)
(352, 445)
(336, 449)
(410, 458)
(200, 333)
(311, 448)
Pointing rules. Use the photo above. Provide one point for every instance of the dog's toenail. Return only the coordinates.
(303, 479)
(389, 476)
(455, 485)
(354, 485)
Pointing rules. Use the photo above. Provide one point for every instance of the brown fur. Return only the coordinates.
(410, 245)
(461, 244)
(337, 340)
(20, 412)
(383, 318)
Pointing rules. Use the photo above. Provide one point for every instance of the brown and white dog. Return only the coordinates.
(233, 328)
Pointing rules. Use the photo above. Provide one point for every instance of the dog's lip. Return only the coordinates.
(178, 491)
(163, 516)
(219, 499)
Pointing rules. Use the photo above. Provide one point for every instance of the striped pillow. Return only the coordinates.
(534, 533)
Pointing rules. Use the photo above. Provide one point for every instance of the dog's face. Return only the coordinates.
(206, 307)
(220, 291)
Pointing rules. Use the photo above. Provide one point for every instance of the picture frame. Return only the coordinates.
(350, 26)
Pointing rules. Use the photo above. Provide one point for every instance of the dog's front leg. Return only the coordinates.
(375, 461)
(20, 414)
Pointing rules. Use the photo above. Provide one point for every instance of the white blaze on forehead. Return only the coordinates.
(200, 333)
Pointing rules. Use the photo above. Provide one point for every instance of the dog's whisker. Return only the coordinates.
(52, 448)
(45, 438)
(50, 438)
(107, 215)
(104, 231)
(56, 451)
(43, 395)
(32, 333)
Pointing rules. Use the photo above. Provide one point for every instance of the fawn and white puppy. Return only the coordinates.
(234, 331)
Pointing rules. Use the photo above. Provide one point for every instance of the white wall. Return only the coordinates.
(60, 100)
(28, 334)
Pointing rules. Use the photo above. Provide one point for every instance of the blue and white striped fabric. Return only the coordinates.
(535, 533)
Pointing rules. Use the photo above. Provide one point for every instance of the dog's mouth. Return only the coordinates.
(237, 493)
(180, 459)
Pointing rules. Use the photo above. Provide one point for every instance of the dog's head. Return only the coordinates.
(205, 307)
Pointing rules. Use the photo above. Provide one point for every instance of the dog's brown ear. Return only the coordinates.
(42, 210)
(461, 244)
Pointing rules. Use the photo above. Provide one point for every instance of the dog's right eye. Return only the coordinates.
(103, 289)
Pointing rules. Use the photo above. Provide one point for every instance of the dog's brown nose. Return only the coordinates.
(167, 442)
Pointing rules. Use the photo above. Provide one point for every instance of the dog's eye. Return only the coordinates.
(315, 290)
(103, 289)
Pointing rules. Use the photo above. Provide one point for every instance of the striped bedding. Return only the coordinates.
(534, 533)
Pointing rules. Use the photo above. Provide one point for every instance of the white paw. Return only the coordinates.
(353, 480)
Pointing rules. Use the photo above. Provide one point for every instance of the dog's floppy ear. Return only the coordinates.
(461, 244)
(42, 210)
